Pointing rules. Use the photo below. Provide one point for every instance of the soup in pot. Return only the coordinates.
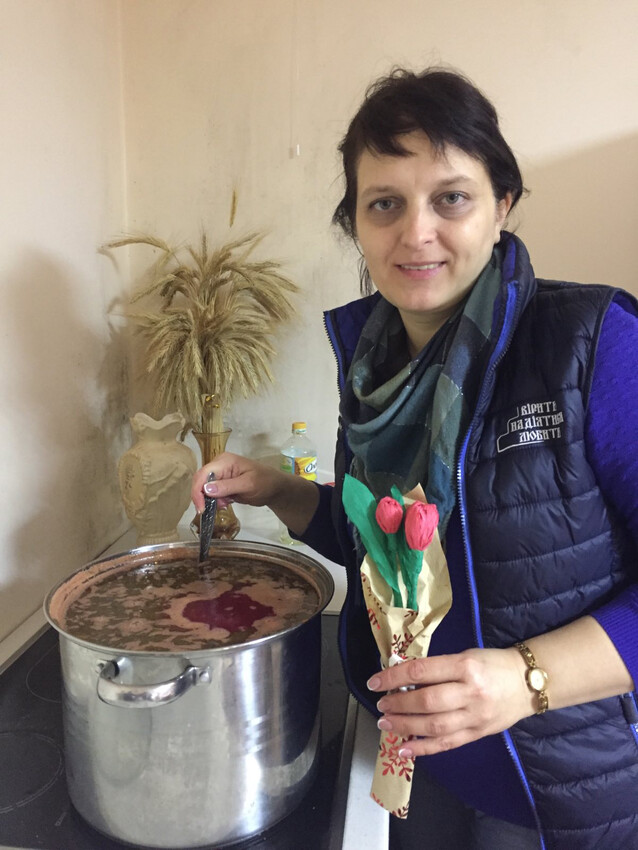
(183, 605)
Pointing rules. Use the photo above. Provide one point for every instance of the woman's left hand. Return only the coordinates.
(456, 698)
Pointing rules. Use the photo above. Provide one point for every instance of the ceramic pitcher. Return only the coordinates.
(155, 478)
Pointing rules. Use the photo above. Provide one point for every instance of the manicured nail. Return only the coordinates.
(382, 705)
(374, 683)
(406, 753)
(384, 723)
(210, 488)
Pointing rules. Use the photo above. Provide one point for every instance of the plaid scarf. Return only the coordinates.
(404, 420)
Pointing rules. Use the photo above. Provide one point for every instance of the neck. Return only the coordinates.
(421, 328)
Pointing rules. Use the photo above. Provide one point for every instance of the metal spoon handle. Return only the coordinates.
(207, 523)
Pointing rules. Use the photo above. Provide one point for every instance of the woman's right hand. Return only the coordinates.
(237, 479)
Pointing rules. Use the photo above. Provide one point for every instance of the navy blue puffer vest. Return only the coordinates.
(542, 547)
(545, 550)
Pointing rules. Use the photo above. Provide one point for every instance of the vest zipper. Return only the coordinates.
(330, 333)
(511, 311)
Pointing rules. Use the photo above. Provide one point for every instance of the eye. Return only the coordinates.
(453, 204)
(383, 205)
(452, 199)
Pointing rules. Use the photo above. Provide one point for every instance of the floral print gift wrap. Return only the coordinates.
(406, 586)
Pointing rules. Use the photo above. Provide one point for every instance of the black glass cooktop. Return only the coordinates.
(35, 810)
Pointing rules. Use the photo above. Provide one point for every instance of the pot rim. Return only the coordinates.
(319, 577)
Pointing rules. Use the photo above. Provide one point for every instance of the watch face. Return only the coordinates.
(537, 679)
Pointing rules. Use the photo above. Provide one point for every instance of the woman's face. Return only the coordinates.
(426, 224)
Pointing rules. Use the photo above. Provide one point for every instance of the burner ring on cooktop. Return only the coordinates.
(33, 762)
(43, 679)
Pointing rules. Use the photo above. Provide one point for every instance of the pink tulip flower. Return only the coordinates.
(389, 515)
(421, 521)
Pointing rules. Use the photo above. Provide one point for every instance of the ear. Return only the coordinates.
(502, 211)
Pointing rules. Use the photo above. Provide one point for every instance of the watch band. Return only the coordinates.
(535, 677)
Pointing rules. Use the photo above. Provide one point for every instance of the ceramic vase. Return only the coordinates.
(155, 478)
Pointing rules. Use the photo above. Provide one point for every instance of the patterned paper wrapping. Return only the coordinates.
(401, 634)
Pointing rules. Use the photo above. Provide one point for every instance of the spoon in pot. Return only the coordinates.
(207, 523)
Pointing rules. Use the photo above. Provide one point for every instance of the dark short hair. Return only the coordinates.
(443, 104)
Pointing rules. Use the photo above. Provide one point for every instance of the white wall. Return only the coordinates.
(217, 94)
(63, 381)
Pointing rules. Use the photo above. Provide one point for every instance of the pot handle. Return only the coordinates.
(146, 696)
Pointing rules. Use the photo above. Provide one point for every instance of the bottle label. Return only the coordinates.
(306, 467)
(287, 464)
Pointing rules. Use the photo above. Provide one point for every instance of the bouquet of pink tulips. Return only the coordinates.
(408, 532)
(406, 586)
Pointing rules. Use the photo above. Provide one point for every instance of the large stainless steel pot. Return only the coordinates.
(191, 748)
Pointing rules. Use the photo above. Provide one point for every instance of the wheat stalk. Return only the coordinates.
(214, 330)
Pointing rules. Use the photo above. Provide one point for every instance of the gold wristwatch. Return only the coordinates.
(536, 678)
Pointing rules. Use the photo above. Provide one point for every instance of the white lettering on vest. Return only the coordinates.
(536, 422)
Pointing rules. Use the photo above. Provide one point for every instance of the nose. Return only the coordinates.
(419, 226)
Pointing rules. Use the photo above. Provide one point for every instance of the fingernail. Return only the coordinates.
(374, 683)
(382, 704)
(406, 753)
(210, 488)
(384, 723)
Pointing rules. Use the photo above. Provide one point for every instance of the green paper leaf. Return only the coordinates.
(397, 495)
(360, 507)
(394, 557)
(411, 561)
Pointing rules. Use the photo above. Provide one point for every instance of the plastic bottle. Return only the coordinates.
(298, 456)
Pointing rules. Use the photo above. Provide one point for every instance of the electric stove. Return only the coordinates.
(35, 810)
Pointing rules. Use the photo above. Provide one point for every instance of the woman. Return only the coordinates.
(512, 402)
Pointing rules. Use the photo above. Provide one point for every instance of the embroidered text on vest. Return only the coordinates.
(536, 422)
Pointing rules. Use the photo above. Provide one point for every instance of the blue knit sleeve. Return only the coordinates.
(320, 534)
(612, 436)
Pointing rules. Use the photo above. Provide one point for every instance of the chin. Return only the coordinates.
(424, 306)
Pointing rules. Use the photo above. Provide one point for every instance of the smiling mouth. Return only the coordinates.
(420, 267)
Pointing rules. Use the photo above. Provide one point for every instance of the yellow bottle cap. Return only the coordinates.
(298, 426)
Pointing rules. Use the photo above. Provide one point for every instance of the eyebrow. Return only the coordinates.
(383, 189)
(458, 178)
